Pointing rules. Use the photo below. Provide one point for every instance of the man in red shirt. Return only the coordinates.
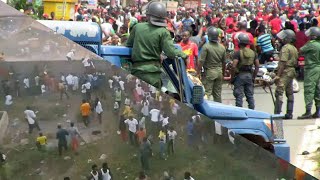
(301, 37)
(190, 49)
(242, 26)
(275, 23)
(229, 19)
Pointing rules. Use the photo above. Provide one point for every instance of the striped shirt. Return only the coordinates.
(264, 41)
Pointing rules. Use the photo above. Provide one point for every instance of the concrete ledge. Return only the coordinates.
(4, 121)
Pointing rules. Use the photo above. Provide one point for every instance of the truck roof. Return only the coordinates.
(76, 31)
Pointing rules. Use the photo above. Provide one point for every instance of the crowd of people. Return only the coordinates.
(249, 34)
(218, 24)
(147, 116)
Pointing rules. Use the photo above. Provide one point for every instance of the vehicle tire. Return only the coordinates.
(295, 85)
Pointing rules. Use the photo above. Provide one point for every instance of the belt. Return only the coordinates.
(142, 63)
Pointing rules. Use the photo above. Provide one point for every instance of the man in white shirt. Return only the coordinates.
(107, 29)
(171, 137)
(37, 80)
(75, 82)
(127, 101)
(165, 120)
(153, 90)
(110, 81)
(63, 78)
(132, 126)
(155, 115)
(8, 101)
(116, 77)
(121, 83)
(30, 117)
(88, 90)
(88, 65)
(69, 80)
(43, 89)
(26, 84)
(155, 120)
(70, 55)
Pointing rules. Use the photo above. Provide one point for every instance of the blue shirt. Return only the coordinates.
(264, 41)
(187, 24)
(190, 128)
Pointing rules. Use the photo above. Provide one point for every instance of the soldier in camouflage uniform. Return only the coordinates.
(148, 40)
(242, 76)
(311, 53)
(286, 72)
(212, 58)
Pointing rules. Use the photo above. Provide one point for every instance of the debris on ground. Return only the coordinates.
(67, 158)
(24, 141)
(103, 157)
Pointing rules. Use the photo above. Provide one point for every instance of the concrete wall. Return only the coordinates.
(26, 68)
(4, 121)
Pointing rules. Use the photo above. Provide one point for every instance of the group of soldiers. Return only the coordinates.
(151, 38)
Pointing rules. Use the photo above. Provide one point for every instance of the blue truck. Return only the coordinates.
(256, 126)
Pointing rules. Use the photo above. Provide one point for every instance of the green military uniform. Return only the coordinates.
(311, 52)
(213, 56)
(148, 41)
(288, 58)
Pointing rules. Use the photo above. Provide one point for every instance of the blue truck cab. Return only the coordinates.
(256, 126)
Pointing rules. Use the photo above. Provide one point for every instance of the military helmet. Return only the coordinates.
(313, 33)
(213, 34)
(157, 13)
(287, 35)
(243, 38)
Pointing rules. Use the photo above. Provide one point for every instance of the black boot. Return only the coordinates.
(289, 110)
(317, 113)
(288, 116)
(306, 115)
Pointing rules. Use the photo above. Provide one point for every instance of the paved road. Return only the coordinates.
(264, 101)
(301, 135)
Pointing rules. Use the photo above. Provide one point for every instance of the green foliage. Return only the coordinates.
(18, 4)
(25, 5)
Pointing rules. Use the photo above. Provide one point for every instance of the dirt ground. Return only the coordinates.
(205, 161)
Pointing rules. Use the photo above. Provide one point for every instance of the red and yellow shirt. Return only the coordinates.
(191, 50)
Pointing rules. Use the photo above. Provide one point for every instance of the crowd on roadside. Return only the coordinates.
(261, 20)
(147, 116)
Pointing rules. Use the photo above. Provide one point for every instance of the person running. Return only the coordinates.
(74, 135)
(85, 109)
(62, 139)
(98, 109)
(31, 119)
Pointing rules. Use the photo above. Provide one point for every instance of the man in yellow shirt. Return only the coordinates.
(41, 141)
(85, 112)
(127, 111)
